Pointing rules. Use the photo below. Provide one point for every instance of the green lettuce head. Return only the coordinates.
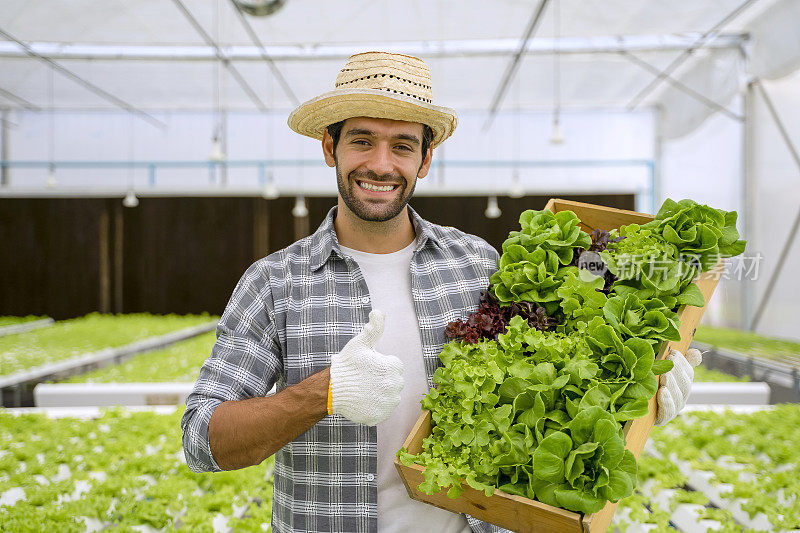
(698, 231)
(581, 299)
(646, 319)
(649, 267)
(582, 468)
(559, 232)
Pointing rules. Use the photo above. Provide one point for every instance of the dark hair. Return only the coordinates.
(335, 131)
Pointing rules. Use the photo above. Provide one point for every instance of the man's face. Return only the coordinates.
(377, 164)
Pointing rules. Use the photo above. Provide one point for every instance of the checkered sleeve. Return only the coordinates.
(245, 362)
(484, 527)
(489, 255)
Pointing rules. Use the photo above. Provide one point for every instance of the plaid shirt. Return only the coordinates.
(290, 312)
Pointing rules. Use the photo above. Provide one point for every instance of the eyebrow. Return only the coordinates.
(362, 131)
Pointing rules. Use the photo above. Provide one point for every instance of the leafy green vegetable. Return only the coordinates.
(647, 319)
(581, 298)
(533, 264)
(647, 266)
(498, 402)
(529, 276)
(556, 232)
(699, 231)
(585, 466)
(537, 410)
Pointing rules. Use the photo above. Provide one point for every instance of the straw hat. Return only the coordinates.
(378, 85)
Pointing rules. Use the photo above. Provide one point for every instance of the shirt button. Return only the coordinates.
(370, 477)
(365, 299)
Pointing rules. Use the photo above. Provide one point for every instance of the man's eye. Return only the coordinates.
(362, 142)
(404, 147)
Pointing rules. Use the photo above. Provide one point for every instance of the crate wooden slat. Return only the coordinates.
(523, 514)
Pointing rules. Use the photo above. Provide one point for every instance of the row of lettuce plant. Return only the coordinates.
(537, 383)
(704, 374)
(72, 338)
(662, 488)
(15, 320)
(178, 363)
(753, 457)
(747, 342)
(123, 470)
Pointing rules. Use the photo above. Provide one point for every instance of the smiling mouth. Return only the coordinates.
(376, 188)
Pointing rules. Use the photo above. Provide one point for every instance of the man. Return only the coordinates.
(307, 319)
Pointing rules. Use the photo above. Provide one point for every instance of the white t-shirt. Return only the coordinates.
(388, 278)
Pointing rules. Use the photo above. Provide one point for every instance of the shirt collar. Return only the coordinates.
(324, 241)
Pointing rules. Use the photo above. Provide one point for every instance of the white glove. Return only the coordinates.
(676, 384)
(365, 385)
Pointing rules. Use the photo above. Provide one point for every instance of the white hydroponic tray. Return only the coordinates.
(26, 326)
(102, 394)
(755, 393)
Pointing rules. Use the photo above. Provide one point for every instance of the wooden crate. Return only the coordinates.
(523, 514)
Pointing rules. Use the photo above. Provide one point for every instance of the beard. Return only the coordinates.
(374, 211)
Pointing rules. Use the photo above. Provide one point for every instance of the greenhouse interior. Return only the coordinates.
(599, 324)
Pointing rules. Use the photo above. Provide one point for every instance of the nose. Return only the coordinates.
(381, 161)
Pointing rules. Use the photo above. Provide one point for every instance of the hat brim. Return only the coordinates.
(312, 117)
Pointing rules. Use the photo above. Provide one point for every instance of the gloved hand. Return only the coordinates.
(675, 385)
(365, 385)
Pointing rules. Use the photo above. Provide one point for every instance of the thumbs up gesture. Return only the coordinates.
(365, 385)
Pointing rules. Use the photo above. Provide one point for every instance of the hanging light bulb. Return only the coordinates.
(492, 209)
(556, 136)
(516, 191)
(216, 153)
(300, 210)
(51, 177)
(130, 199)
(270, 191)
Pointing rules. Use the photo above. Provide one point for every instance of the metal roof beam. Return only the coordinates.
(795, 225)
(681, 87)
(511, 69)
(83, 82)
(678, 61)
(265, 56)
(433, 49)
(221, 56)
(18, 99)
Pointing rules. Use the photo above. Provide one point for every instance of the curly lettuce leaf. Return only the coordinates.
(648, 319)
(699, 231)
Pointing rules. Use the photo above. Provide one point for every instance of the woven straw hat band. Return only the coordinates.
(379, 85)
(374, 70)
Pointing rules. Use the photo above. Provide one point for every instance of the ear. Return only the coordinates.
(327, 149)
(426, 163)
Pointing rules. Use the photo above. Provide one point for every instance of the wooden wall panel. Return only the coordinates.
(49, 256)
(185, 255)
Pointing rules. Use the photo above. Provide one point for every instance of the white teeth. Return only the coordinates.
(371, 187)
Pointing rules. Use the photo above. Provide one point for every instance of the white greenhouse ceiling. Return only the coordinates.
(204, 54)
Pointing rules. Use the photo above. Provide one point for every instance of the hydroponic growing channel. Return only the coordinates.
(123, 470)
(179, 362)
(75, 337)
